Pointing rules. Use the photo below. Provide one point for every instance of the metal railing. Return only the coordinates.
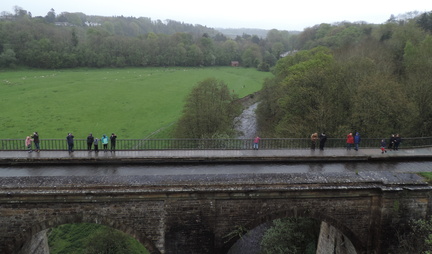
(206, 144)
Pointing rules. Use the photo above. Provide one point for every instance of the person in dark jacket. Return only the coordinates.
(96, 145)
(383, 145)
(391, 142)
(397, 142)
(113, 138)
(70, 142)
(35, 138)
(323, 139)
(90, 140)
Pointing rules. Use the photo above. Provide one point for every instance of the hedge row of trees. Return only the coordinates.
(372, 78)
(75, 40)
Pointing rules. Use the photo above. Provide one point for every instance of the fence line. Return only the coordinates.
(206, 144)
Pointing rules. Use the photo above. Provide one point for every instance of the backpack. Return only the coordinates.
(96, 142)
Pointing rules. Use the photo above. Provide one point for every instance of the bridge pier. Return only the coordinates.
(189, 225)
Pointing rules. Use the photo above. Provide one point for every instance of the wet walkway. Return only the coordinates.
(212, 156)
(201, 167)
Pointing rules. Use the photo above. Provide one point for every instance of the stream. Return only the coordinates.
(246, 123)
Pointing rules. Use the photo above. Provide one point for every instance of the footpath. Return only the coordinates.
(211, 156)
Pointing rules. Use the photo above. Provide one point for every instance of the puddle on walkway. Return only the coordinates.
(222, 169)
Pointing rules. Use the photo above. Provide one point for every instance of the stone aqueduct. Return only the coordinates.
(195, 214)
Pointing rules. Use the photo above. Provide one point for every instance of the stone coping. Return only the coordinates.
(202, 182)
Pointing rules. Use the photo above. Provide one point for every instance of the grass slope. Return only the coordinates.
(72, 238)
(132, 102)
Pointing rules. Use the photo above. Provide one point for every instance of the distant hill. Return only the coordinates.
(133, 26)
(234, 32)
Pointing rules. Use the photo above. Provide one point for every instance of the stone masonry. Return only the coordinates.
(204, 214)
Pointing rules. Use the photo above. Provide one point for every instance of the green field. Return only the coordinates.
(134, 103)
(77, 238)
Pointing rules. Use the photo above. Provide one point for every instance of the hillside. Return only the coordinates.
(234, 32)
(69, 40)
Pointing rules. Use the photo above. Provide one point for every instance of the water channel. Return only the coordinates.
(211, 169)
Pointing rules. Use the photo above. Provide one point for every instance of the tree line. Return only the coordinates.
(69, 40)
(344, 77)
(372, 78)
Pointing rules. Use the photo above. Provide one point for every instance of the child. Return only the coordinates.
(256, 142)
(383, 146)
(96, 145)
(28, 143)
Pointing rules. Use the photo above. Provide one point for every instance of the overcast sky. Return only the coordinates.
(279, 14)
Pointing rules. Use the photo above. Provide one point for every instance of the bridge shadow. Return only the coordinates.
(267, 220)
(56, 221)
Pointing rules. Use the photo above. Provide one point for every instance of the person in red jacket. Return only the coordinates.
(256, 142)
(350, 141)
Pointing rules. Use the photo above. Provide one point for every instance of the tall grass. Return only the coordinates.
(132, 102)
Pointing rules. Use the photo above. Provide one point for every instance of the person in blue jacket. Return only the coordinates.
(104, 141)
(357, 140)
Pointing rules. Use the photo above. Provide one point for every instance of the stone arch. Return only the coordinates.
(306, 213)
(84, 218)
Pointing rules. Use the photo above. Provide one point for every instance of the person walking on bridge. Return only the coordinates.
(383, 146)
